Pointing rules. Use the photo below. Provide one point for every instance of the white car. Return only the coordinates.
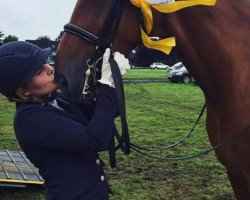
(176, 66)
(159, 66)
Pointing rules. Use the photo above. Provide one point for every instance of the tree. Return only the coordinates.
(1, 36)
(59, 37)
(9, 38)
(44, 38)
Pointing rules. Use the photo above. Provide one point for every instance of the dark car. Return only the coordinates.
(179, 73)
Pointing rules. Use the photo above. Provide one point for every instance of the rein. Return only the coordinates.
(101, 42)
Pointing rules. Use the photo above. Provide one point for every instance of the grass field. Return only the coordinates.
(158, 114)
(146, 73)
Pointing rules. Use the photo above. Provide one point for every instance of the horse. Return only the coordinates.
(214, 45)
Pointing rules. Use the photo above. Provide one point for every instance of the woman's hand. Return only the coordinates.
(106, 77)
(122, 62)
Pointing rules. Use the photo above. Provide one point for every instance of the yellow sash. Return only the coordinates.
(166, 44)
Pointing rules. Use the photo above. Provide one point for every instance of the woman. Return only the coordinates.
(60, 139)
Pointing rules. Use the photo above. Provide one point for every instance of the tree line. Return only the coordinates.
(9, 38)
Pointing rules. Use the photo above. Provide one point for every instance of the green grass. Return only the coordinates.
(146, 74)
(158, 114)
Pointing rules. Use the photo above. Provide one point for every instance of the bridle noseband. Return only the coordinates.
(82, 33)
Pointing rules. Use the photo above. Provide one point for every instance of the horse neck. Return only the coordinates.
(128, 35)
(214, 45)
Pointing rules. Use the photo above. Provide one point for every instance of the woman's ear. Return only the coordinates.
(23, 93)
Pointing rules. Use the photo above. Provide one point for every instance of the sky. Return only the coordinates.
(29, 19)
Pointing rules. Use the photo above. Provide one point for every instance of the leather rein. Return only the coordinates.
(101, 42)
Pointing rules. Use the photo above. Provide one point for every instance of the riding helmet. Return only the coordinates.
(19, 62)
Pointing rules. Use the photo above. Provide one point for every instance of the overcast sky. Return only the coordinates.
(29, 19)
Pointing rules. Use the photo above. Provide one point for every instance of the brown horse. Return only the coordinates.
(213, 43)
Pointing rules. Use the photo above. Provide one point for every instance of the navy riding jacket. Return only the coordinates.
(63, 143)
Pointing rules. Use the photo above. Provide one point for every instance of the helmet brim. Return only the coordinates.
(41, 59)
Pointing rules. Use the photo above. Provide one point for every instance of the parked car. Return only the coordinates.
(159, 66)
(179, 73)
(52, 57)
(176, 66)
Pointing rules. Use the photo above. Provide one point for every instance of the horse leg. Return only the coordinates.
(239, 184)
(237, 179)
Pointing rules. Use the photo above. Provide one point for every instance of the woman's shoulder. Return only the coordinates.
(24, 110)
(22, 107)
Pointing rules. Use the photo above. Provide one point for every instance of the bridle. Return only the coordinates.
(101, 42)
(106, 37)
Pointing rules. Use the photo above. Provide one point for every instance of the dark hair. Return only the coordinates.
(16, 96)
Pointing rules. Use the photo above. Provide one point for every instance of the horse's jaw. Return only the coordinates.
(70, 75)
